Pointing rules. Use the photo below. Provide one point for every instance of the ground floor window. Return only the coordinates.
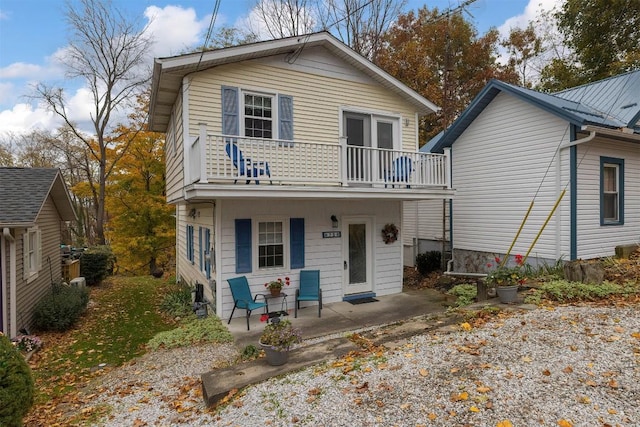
(611, 191)
(270, 244)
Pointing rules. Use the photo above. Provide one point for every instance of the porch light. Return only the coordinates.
(334, 221)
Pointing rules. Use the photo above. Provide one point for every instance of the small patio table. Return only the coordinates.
(283, 305)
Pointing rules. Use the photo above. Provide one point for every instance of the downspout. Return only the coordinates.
(6, 233)
(573, 176)
(3, 288)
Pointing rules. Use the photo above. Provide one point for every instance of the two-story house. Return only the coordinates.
(291, 154)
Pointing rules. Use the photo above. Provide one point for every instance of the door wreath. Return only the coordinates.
(389, 233)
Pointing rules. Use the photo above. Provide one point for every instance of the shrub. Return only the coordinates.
(465, 293)
(177, 301)
(96, 263)
(16, 384)
(195, 331)
(60, 308)
(428, 262)
(564, 291)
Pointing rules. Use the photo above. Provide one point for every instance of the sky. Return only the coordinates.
(33, 37)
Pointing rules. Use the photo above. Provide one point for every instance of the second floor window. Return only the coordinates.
(258, 116)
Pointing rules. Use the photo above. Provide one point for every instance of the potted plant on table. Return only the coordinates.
(276, 286)
(507, 280)
(276, 340)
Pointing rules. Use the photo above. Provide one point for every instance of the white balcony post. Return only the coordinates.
(447, 166)
(343, 161)
(203, 151)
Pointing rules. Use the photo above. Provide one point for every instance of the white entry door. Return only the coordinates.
(358, 255)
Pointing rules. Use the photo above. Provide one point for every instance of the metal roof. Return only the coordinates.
(23, 192)
(169, 72)
(612, 103)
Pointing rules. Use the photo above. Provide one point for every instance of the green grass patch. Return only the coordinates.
(194, 331)
(564, 291)
(465, 294)
(123, 315)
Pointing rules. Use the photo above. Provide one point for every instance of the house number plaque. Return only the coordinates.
(331, 234)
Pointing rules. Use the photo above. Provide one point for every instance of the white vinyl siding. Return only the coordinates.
(498, 167)
(423, 220)
(188, 271)
(318, 98)
(29, 293)
(174, 162)
(324, 254)
(595, 240)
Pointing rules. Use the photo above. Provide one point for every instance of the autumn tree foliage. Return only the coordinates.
(107, 51)
(604, 40)
(141, 228)
(443, 59)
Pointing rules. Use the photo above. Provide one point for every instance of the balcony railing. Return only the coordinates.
(224, 158)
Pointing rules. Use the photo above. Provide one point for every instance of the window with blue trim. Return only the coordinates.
(611, 191)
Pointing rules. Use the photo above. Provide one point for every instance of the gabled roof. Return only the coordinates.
(169, 72)
(612, 103)
(23, 192)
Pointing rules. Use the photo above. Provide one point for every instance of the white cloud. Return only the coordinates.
(174, 29)
(23, 118)
(531, 12)
(3, 15)
(20, 70)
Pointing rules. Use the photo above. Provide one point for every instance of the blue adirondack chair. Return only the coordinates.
(400, 171)
(245, 166)
(242, 297)
(309, 289)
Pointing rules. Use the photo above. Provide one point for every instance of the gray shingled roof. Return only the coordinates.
(611, 103)
(23, 192)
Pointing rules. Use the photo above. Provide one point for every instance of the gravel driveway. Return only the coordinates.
(568, 366)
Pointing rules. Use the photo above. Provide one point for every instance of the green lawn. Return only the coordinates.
(122, 316)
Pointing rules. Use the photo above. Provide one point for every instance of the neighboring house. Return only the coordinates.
(514, 146)
(34, 204)
(328, 143)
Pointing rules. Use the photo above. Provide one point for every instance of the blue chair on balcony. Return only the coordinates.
(309, 289)
(242, 297)
(245, 166)
(400, 172)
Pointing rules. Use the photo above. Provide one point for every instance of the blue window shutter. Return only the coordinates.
(296, 241)
(190, 243)
(243, 246)
(230, 113)
(200, 246)
(207, 252)
(285, 116)
(187, 241)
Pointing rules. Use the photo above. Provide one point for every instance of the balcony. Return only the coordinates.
(217, 159)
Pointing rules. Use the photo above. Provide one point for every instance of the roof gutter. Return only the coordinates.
(567, 144)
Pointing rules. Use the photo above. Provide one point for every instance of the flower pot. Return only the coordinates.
(507, 294)
(275, 357)
(275, 291)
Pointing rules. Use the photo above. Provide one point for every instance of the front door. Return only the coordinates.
(358, 255)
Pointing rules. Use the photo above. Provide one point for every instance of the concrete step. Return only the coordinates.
(218, 383)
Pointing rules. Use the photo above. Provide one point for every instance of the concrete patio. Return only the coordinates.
(325, 338)
(342, 317)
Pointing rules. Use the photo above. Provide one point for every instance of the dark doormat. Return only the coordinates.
(361, 300)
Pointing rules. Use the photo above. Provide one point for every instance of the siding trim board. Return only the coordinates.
(573, 178)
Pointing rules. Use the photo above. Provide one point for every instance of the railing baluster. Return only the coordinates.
(307, 162)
